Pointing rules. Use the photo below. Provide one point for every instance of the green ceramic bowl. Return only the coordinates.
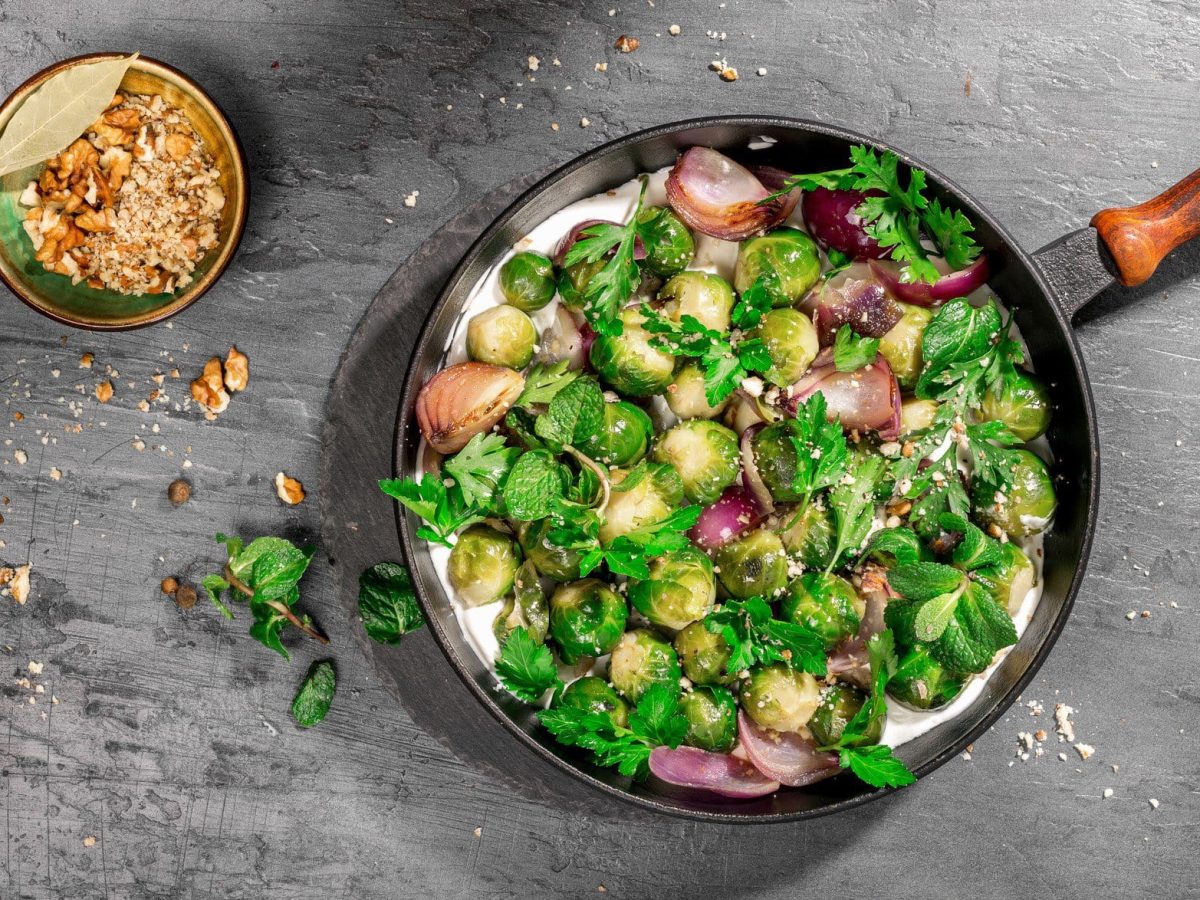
(100, 310)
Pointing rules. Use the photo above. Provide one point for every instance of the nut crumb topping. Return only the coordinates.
(289, 490)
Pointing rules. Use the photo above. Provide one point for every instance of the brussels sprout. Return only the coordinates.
(703, 655)
(1026, 509)
(551, 560)
(685, 394)
(810, 536)
(669, 244)
(827, 605)
(755, 565)
(705, 454)
(712, 718)
(1019, 400)
(791, 342)
(775, 459)
(1011, 579)
(628, 362)
(839, 704)
(527, 281)
(624, 435)
(780, 698)
(651, 499)
(573, 280)
(679, 591)
(526, 608)
(901, 346)
(587, 618)
(922, 683)
(595, 695)
(642, 659)
(706, 298)
(789, 253)
(916, 414)
(483, 564)
(501, 336)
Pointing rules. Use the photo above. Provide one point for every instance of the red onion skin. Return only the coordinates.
(921, 293)
(696, 196)
(715, 773)
(883, 418)
(788, 758)
(853, 297)
(832, 218)
(773, 179)
(734, 513)
(750, 477)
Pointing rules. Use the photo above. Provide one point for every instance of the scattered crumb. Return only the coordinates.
(1062, 757)
(289, 490)
(35, 668)
(585, 122)
(55, 473)
(1062, 721)
(601, 67)
(533, 62)
(478, 832)
(19, 585)
(185, 596)
(966, 756)
(1085, 751)
(89, 841)
(411, 200)
(554, 126)
(85, 361)
(627, 44)
(169, 585)
(104, 391)
(1153, 803)
(179, 492)
(674, 30)
(1108, 792)
(1131, 615)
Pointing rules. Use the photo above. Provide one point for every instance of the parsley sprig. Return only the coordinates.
(822, 454)
(526, 668)
(609, 289)
(756, 638)
(578, 528)
(851, 352)
(853, 504)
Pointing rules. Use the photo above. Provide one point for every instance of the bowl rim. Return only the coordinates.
(148, 64)
(1090, 498)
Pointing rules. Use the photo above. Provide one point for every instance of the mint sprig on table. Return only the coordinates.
(266, 576)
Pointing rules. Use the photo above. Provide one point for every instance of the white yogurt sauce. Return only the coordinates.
(718, 257)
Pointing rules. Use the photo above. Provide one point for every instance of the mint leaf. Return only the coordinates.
(934, 615)
(924, 581)
(533, 485)
(480, 467)
(387, 603)
(894, 546)
(876, 766)
(316, 692)
(215, 585)
(851, 352)
(976, 549)
(525, 667)
(575, 414)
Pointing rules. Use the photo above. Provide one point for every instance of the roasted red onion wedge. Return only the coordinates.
(750, 476)
(854, 297)
(716, 773)
(773, 179)
(464, 400)
(788, 758)
(719, 197)
(832, 218)
(867, 399)
(735, 512)
(952, 284)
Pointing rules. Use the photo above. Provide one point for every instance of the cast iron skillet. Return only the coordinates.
(1044, 291)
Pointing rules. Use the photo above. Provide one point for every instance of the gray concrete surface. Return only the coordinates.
(172, 745)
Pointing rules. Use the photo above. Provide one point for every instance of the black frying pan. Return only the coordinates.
(1044, 291)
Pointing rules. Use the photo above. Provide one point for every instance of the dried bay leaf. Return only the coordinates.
(60, 111)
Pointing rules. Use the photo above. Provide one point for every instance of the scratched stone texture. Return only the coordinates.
(171, 743)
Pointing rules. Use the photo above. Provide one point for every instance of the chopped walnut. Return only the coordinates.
(104, 391)
(237, 370)
(289, 490)
(627, 44)
(209, 389)
(19, 586)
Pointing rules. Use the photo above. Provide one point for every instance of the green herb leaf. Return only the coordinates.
(480, 467)
(976, 549)
(387, 603)
(894, 546)
(756, 638)
(934, 615)
(657, 719)
(575, 414)
(881, 652)
(853, 505)
(876, 766)
(951, 231)
(443, 508)
(971, 638)
(834, 179)
(924, 581)
(758, 299)
(215, 585)
(315, 695)
(725, 364)
(822, 454)
(543, 383)
(525, 667)
(851, 352)
(537, 480)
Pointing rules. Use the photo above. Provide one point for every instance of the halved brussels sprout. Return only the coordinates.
(775, 459)
(526, 608)
(1027, 508)
(703, 655)
(791, 342)
(920, 682)
(839, 704)
(685, 394)
(527, 281)
(704, 453)
(755, 565)
(827, 605)
(642, 659)
(628, 362)
(810, 537)
(587, 618)
(501, 336)
(1011, 579)
(1021, 401)
(653, 497)
(483, 564)
(624, 435)
(780, 698)
(788, 252)
(916, 415)
(711, 713)
(679, 591)
(551, 560)
(707, 298)
(573, 281)
(669, 244)
(901, 346)
(595, 695)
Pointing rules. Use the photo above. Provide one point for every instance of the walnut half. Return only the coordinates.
(209, 389)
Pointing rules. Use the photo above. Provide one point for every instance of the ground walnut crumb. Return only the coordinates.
(289, 490)
(19, 584)
(132, 206)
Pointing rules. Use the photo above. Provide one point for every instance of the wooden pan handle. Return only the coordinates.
(1138, 237)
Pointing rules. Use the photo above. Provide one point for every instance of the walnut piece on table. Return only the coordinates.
(289, 490)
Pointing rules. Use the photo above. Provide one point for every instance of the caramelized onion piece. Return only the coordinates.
(718, 197)
(867, 399)
(465, 400)
(716, 773)
(853, 297)
(787, 758)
